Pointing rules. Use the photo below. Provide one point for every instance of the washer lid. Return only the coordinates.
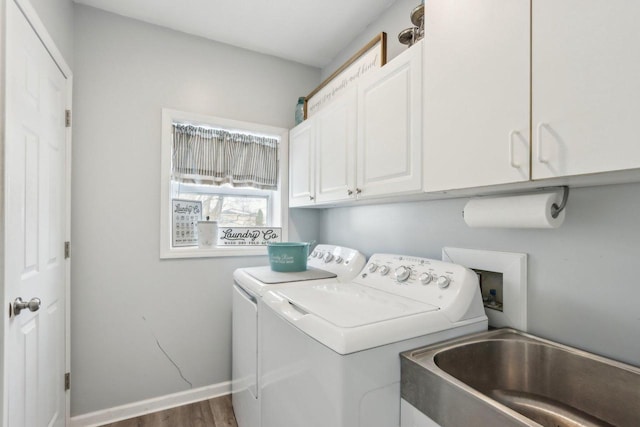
(257, 288)
(270, 277)
(349, 305)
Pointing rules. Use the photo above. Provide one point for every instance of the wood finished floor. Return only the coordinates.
(216, 412)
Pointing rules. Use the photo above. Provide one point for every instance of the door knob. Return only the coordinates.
(32, 305)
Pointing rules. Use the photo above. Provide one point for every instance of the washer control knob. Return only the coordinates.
(339, 260)
(443, 281)
(384, 270)
(328, 257)
(402, 273)
(426, 278)
(373, 268)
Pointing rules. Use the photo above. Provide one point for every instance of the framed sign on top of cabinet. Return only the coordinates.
(371, 57)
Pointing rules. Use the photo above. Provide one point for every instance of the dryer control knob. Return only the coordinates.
(328, 257)
(372, 268)
(384, 270)
(443, 281)
(339, 260)
(425, 278)
(402, 273)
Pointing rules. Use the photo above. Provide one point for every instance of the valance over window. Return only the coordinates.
(214, 156)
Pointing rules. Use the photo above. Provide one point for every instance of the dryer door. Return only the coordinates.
(245, 357)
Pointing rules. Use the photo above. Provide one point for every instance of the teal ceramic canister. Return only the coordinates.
(288, 256)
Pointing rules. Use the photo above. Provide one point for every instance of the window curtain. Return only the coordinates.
(214, 156)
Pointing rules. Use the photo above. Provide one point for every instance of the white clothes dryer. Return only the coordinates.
(330, 354)
(327, 264)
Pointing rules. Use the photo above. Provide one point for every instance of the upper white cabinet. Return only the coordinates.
(585, 86)
(366, 143)
(476, 93)
(301, 166)
(389, 159)
(499, 93)
(335, 136)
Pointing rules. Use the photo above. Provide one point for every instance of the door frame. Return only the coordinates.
(40, 29)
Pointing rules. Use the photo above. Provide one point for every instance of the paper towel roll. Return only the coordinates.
(529, 211)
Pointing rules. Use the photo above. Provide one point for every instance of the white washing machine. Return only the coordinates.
(326, 264)
(330, 353)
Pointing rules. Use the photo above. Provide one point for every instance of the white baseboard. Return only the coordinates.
(142, 407)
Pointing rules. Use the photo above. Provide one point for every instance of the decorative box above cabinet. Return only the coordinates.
(476, 93)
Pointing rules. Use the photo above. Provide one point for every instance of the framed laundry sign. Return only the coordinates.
(185, 215)
(248, 236)
(371, 57)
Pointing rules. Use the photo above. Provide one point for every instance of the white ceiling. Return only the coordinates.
(311, 32)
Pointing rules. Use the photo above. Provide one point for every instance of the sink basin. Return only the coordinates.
(508, 378)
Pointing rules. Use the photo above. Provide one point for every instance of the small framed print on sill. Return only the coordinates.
(248, 236)
(185, 215)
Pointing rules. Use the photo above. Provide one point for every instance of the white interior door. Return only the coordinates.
(35, 219)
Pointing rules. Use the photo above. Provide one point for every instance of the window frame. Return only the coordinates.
(280, 197)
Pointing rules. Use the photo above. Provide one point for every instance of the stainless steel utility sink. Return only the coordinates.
(508, 378)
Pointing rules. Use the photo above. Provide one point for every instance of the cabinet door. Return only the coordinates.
(389, 159)
(335, 136)
(476, 96)
(586, 86)
(301, 165)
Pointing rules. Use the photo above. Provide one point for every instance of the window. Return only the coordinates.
(231, 207)
(235, 170)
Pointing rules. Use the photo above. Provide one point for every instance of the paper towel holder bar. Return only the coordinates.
(555, 209)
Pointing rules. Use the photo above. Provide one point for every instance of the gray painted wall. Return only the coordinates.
(126, 302)
(57, 16)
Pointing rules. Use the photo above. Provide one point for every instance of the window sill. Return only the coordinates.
(217, 252)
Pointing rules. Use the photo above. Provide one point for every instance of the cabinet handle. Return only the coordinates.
(539, 143)
(311, 197)
(512, 162)
(349, 192)
(358, 191)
